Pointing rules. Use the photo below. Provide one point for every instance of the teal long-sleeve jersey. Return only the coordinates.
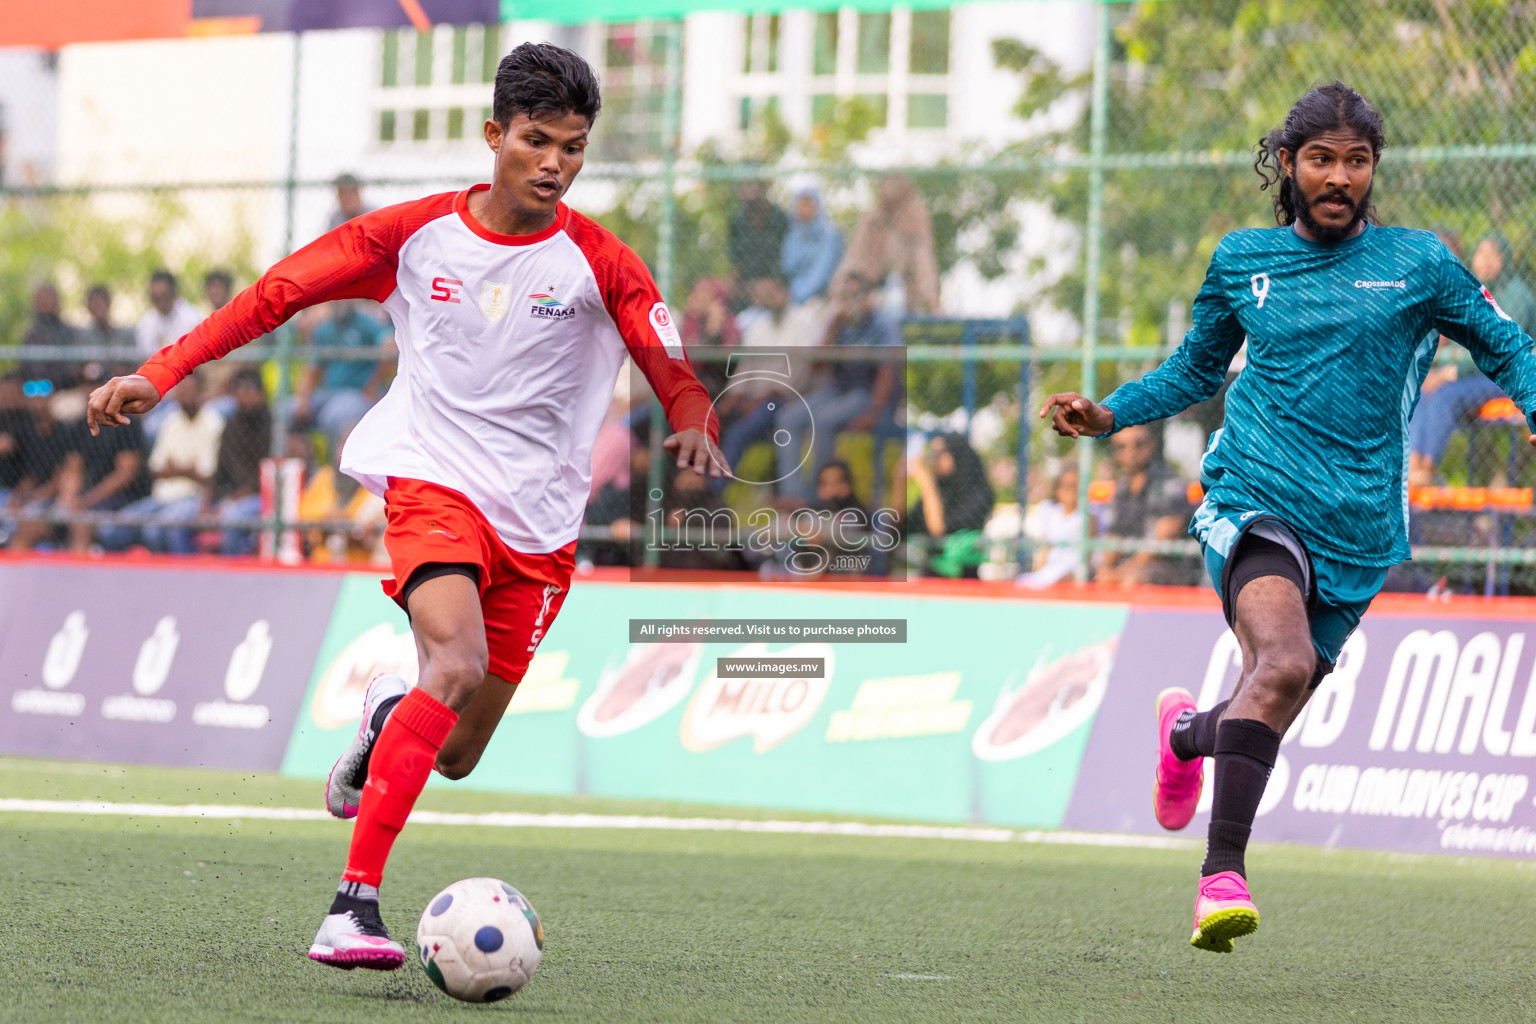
(1340, 338)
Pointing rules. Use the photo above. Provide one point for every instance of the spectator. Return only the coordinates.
(708, 320)
(169, 315)
(96, 474)
(101, 332)
(620, 505)
(1150, 503)
(812, 248)
(954, 503)
(235, 491)
(39, 442)
(756, 235)
(349, 201)
(333, 394)
(693, 508)
(182, 462)
(48, 328)
(1055, 527)
(218, 289)
(843, 530)
(332, 495)
(744, 408)
(896, 237)
(855, 395)
(1453, 394)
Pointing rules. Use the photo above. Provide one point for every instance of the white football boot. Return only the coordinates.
(344, 788)
(356, 939)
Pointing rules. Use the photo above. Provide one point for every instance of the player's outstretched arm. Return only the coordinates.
(117, 399)
(1072, 415)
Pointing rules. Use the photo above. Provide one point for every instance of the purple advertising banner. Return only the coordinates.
(1422, 739)
(157, 666)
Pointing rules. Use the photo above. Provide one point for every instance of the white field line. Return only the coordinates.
(511, 819)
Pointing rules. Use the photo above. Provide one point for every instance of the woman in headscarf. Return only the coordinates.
(1450, 404)
(812, 248)
(897, 237)
(954, 502)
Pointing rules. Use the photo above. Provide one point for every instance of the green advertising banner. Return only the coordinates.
(982, 715)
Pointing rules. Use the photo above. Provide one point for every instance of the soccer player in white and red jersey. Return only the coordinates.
(513, 315)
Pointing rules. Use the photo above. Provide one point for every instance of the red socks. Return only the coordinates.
(397, 770)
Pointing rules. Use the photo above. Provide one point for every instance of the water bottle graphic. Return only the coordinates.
(65, 650)
(248, 662)
(155, 656)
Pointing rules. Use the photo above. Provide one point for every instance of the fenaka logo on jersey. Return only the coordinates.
(547, 307)
(495, 300)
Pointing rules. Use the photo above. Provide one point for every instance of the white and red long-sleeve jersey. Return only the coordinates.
(509, 349)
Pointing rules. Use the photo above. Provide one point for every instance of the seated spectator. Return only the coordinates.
(1151, 503)
(954, 503)
(620, 505)
(1454, 392)
(744, 408)
(168, 317)
(235, 491)
(844, 529)
(1054, 527)
(896, 237)
(708, 320)
(756, 236)
(218, 289)
(182, 462)
(105, 473)
(853, 395)
(37, 442)
(331, 496)
(693, 508)
(101, 332)
(812, 249)
(48, 328)
(333, 394)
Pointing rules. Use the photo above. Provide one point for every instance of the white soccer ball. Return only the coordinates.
(480, 940)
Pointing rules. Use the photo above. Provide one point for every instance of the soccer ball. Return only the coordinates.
(480, 940)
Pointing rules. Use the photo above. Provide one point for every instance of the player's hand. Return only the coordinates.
(695, 450)
(1074, 415)
(117, 399)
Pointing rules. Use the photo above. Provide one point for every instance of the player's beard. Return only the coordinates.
(1325, 233)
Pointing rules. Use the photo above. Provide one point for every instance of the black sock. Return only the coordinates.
(1194, 734)
(1245, 752)
(356, 897)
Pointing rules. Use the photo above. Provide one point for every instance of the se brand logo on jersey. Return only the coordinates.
(495, 300)
(547, 307)
(446, 289)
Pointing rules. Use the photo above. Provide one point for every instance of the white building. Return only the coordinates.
(406, 107)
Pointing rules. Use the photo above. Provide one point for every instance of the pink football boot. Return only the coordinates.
(1177, 788)
(1223, 912)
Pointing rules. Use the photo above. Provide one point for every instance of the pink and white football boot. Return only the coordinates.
(356, 939)
(344, 788)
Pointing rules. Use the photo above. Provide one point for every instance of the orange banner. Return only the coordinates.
(52, 24)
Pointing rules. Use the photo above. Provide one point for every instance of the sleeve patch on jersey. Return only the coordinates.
(666, 330)
(1495, 303)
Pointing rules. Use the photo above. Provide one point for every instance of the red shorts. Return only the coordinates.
(520, 594)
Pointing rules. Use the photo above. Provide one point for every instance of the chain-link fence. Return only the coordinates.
(1059, 251)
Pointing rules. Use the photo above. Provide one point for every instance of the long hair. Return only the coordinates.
(1324, 109)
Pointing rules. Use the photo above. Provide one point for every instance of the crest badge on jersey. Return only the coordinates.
(495, 300)
(1495, 303)
(666, 330)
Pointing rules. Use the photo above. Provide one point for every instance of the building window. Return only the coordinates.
(895, 64)
(633, 71)
(433, 85)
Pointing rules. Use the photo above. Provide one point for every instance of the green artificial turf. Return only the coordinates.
(168, 919)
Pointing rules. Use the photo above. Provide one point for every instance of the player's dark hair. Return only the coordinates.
(1326, 108)
(545, 81)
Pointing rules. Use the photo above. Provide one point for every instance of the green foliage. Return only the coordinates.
(1214, 76)
(79, 241)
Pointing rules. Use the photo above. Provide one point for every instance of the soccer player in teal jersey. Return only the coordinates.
(1306, 503)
